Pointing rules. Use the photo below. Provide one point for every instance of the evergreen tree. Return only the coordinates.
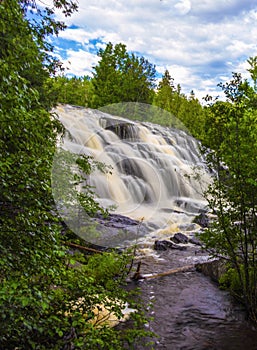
(121, 77)
(253, 70)
(165, 92)
(188, 111)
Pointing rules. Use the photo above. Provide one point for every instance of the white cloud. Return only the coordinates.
(183, 7)
(80, 62)
(201, 41)
(80, 35)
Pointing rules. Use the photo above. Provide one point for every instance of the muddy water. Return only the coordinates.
(189, 311)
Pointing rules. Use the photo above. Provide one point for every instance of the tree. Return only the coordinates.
(194, 119)
(39, 280)
(188, 111)
(253, 70)
(74, 90)
(121, 77)
(231, 134)
(165, 92)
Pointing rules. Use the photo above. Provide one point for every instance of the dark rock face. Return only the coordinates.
(195, 241)
(202, 219)
(214, 269)
(123, 129)
(179, 238)
(118, 230)
(116, 220)
(164, 245)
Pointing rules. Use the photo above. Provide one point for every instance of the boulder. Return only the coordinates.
(195, 241)
(164, 245)
(179, 238)
(202, 219)
(183, 239)
(213, 269)
(116, 220)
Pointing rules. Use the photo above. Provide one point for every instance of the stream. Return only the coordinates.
(189, 311)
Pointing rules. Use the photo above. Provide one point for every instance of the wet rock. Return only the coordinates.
(116, 220)
(179, 238)
(202, 219)
(171, 210)
(118, 230)
(161, 245)
(213, 269)
(123, 129)
(164, 245)
(195, 241)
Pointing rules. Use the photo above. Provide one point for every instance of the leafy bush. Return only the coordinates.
(40, 279)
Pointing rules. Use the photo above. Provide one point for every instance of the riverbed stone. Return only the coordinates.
(116, 220)
(202, 219)
(195, 241)
(179, 238)
(213, 269)
(164, 245)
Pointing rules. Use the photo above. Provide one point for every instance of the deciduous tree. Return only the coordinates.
(39, 280)
(231, 134)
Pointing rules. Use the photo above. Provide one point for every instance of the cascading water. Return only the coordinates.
(152, 177)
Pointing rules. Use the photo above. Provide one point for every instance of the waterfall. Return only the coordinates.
(152, 177)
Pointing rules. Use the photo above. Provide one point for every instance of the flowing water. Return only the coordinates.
(158, 178)
(189, 311)
(153, 169)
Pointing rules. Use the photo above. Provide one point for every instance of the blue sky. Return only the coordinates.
(201, 42)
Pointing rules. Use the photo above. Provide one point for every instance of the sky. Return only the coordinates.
(200, 42)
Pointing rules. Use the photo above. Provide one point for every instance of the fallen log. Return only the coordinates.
(165, 273)
(77, 246)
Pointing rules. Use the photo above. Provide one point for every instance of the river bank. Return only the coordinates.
(189, 311)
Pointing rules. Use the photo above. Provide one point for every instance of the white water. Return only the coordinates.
(152, 176)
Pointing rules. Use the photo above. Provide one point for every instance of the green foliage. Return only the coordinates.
(73, 91)
(37, 309)
(188, 111)
(70, 187)
(231, 133)
(121, 77)
(25, 128)
(40, 279)
(42, 23)
(165, 95)
(253, 70)
(231, 281)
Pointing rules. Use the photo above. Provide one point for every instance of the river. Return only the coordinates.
(189, 311)
(152, 180)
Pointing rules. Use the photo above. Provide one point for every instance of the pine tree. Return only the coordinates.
(121, 77)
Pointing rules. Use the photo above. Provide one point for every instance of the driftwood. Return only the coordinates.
(138, 276)
(81, 247)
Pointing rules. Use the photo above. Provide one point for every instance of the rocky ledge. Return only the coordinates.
(179, 241)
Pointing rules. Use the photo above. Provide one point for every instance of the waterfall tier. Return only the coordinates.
(152, 177)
